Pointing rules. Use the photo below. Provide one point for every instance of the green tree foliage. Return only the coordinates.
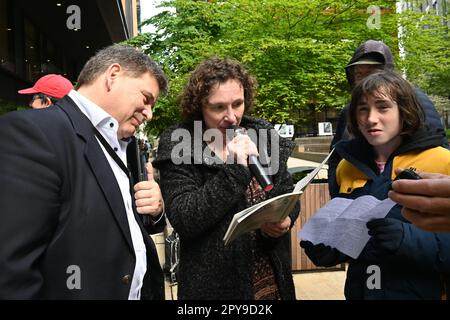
(297, 49)
(425, 38)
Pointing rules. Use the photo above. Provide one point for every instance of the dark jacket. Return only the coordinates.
(377, 50)
(61, 206)
(417, 269)
(201, 199)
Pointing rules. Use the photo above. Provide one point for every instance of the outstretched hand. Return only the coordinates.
(426, 202)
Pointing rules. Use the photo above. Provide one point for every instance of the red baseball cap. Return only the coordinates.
(53, 85)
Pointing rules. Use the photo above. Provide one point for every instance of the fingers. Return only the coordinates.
(433, 185)
(425, 204)
(425, 175)
(148, 202)
(375, 223)
(306, 244)
(285, 224)
(241, 147)
(271, 232)
(428, 221)
(277, 229)
(148, 197)
(154, 209)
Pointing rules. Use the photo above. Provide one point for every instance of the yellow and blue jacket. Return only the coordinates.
(421, 266)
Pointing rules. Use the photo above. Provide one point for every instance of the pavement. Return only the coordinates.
(314, 285)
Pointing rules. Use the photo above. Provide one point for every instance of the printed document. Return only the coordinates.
(341, 223)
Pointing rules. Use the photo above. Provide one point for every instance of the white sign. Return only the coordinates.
(325, 129)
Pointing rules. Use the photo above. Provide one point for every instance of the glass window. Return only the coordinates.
(7, 60)
(32, 54)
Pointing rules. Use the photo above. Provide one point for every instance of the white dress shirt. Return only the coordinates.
(108, 127)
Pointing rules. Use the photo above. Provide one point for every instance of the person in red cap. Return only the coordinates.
(47, 90)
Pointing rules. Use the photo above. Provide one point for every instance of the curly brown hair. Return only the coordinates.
(398, 89)
(209, 73)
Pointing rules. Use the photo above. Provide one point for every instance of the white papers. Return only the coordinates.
(271, 210)
(300, 186)
(341, 223)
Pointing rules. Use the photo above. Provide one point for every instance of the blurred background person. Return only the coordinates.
(47, 90)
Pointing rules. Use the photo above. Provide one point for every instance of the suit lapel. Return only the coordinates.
(99, 165)
(108, 183)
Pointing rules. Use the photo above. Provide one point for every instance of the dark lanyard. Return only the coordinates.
(113, 155)
(145, 219)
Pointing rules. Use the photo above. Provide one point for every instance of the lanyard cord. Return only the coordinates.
(113, 155)
(146, 219)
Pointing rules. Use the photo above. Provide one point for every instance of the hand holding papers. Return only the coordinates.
(271, 210)
(341, 223)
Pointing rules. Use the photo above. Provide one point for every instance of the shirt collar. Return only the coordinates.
(102, 120)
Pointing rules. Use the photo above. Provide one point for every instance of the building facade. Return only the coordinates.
(55, 36)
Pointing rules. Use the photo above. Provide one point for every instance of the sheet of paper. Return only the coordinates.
(341, 223)
(300, 186)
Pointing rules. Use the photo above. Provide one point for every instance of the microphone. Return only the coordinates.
(254, 165)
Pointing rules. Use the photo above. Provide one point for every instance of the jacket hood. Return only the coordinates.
(373, 50)
(423, 138)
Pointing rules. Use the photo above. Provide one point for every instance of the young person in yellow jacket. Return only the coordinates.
(388, 124)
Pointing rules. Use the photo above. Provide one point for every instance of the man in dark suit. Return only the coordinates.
(69, 223)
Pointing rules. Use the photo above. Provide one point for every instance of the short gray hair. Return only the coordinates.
(134, 62)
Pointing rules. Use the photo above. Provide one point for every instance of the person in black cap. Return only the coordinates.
(369, 57)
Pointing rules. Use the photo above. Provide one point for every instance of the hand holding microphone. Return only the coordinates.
(148, 195)
(246, 153)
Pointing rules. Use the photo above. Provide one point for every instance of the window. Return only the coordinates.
(7, 60)
(32, 51)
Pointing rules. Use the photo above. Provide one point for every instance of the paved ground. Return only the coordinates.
(308, 286)
(320, 285)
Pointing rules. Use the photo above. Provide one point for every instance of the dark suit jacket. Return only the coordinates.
(61, 210)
